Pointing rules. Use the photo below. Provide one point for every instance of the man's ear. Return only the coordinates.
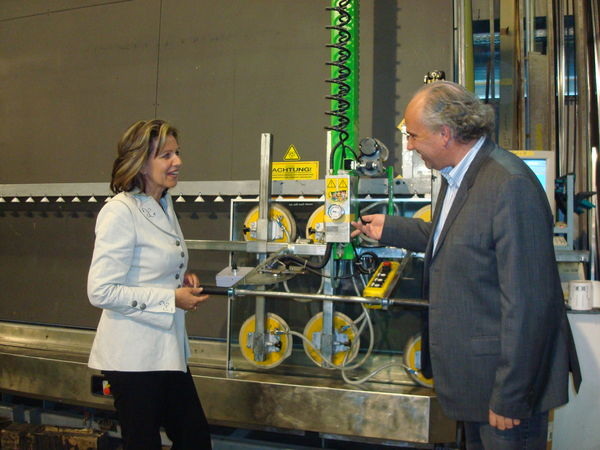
(446, 134)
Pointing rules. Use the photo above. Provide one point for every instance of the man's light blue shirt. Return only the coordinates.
(454, 176)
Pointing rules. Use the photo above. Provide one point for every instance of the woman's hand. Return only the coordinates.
(188, 296)
(191, 280)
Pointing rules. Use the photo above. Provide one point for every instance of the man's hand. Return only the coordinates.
(501, 422)
(371, 225)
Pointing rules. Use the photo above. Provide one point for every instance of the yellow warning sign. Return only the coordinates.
(337, 192)
(306, 170)
(291, 154)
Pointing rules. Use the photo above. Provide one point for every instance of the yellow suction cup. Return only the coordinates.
(345, 333)
(315, 227)
(423, 213)
(278, 341)
(280, 219)
(412, 361)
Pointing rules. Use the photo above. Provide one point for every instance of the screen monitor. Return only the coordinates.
(543, 165)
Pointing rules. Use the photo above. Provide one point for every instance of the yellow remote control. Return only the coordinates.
(383, 281)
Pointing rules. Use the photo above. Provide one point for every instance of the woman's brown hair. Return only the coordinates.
(142, 140)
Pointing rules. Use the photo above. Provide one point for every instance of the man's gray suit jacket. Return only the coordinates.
(498, 332)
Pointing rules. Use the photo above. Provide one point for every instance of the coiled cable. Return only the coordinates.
(343, 73)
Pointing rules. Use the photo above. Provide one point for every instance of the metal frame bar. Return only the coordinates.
(596, 64)
(551, 51)
(560, 78)
(373, 186)
(593, 215)
(459, 42)
(263, 235)
(330, 298)
(583, 153)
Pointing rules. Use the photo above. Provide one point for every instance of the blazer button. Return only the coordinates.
(133, 304)
(143, 306)
(178, 285)
(181, 266)
(177, 243)
(177, 276)
(182, 254)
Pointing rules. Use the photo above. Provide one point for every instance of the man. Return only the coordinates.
(500, 345)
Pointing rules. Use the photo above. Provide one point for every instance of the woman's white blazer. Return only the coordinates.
(139, 259)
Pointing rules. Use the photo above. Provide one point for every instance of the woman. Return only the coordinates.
(138, 277)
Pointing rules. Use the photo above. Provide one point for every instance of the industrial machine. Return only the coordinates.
(286, 282)
(312, 306)
(343, 318)
(323, 328)
(312, 309)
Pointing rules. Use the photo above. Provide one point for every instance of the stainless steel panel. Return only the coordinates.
(377, 411)
(51, 363)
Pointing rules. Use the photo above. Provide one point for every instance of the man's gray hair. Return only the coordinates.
(450, 104)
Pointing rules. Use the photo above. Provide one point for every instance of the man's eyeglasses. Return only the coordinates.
(409, 136)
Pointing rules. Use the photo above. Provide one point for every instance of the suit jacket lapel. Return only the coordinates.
(436, 219)
(172, 216)
(152, 211)
(457, 204)
(461, 195)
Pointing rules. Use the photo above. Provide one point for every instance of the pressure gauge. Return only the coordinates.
(335, 211)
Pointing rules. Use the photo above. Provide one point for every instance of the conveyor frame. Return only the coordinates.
(51, 363)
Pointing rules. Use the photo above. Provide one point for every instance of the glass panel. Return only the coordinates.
(287, 320)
